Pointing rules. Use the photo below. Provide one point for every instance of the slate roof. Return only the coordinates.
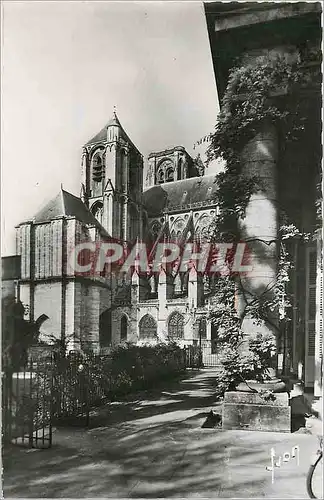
(102, 135)
(67, 205)
(178, 195)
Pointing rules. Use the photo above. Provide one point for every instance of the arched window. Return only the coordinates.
(97, 210)
(155, 229)
(105, 323)
(147, 327)
(169, 175)
(97, 168)
(165, 172)
(176, 326)
(123, 328)
(160, 177)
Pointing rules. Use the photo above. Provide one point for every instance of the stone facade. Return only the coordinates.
(175, 199)
(97, 312)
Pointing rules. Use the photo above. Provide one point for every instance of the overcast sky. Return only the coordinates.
(66, 64)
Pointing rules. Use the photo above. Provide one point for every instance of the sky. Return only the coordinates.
(65, 65)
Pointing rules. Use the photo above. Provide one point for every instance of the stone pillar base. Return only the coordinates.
(249, 411)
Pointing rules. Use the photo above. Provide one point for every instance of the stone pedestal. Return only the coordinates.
(250, 411)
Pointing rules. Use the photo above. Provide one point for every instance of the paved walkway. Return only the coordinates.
(155, 447)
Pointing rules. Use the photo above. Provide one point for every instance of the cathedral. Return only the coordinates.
(172, 199)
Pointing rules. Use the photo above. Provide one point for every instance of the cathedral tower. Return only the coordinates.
(112, 180)
(170, 165)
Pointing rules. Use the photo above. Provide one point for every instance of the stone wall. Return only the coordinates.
(48, 300)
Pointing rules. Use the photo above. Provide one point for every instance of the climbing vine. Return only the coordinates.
(254, 95)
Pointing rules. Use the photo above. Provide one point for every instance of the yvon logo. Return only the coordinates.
(278, 460)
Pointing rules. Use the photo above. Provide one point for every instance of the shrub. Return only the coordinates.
(244, 365)
(91, 379)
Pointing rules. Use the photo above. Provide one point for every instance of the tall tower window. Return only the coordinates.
(97, 169)
(97, 210)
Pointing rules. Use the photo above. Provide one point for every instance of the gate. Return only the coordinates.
(76, 385)
(193, 357)
(205, 355)
(27, 404)
(210, 354)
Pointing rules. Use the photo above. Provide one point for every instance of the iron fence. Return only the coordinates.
(210, 354)
(78, 385)
(53, 387)
(27, 405)
(193, 356)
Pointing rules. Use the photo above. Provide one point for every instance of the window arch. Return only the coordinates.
(123, 328)
(165, 171)
(155, 229)
(147, 327)
(169, 177)
(176, 325)
(97, 169)
(105, 328)
(97, 211)
(160, 177)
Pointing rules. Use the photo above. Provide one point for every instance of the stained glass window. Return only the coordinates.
(147, 327)
(176, 326)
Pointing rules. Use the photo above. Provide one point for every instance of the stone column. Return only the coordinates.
(92, 303)
(125, 200)
(135, 299)
(165, 292)
(125, 225)
(259, 228)
(84, 176)
(195, 289)
(108, 205)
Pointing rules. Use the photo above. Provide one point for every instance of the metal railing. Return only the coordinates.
(27, 405)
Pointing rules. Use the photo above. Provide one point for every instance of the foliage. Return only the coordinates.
(91, 379)
(252, 98)
(223, 314)
(17, 333)
(70, 385)
(246, 364)
(247, 103)
(275, 301)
